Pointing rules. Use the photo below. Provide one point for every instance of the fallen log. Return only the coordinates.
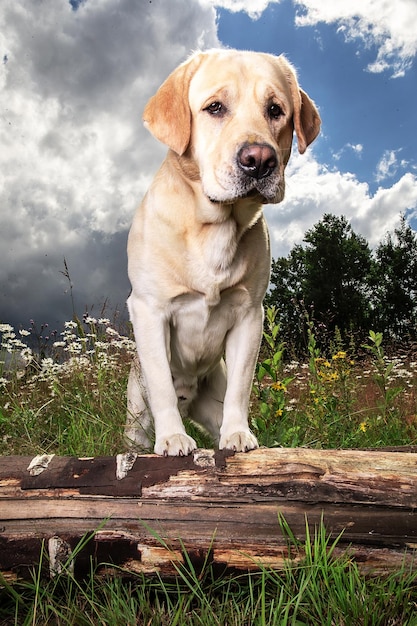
(149, 514)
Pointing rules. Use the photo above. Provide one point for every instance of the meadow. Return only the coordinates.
(64, 393)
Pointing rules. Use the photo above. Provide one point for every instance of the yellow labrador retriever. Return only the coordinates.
(198, 249)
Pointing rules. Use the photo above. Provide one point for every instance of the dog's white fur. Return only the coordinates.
(198, 249)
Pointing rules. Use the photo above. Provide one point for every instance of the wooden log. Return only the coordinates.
(141, 513)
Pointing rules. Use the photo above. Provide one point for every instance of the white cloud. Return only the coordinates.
(356, 148)
(389, 26)
(254, 8)
(75, 159)
(313, 190)
(73, 97)
(388, 165)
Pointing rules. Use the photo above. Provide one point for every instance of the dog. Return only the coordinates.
(198, 249)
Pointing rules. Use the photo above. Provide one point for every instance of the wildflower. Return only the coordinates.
(27, 355)
(339, 355)
(292, 365)
(101, 345)
(278, 413)
(6, 328)
(47, 364)
(74, 348)
(363, 427)
(70, 324)
(59, 344)
(90, 320)
(279, 386)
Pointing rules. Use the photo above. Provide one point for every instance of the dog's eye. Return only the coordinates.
(216, 108)
(275, 111)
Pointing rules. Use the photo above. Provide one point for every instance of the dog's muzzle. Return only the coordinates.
(257, 160)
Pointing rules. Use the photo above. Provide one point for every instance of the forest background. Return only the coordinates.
(335, 279)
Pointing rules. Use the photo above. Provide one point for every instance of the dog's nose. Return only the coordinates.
(257, 160)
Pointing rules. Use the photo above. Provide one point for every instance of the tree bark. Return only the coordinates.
(150, 514)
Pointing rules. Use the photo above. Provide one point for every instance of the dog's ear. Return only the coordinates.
(306, 116)
(306, 121)
(167, 115)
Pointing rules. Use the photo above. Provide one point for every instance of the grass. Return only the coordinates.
(65, 394)
(319, 590)
(68, 397)
(338, 400)
(70, 400)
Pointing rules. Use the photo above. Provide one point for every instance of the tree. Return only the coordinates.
(328, 276)
(394, 282)
(287, 278)
(338, 262)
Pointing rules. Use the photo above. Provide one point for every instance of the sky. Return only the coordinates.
(75, 159)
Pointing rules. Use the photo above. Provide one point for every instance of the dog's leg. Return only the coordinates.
(207, 408)
(242, 349)
(152, 340)
(138, 419)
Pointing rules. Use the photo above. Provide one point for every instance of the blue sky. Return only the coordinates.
(76, 160)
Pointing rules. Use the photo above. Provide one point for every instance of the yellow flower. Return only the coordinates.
(278, 413)
(363, 427)
(339, 355)
(279, 386)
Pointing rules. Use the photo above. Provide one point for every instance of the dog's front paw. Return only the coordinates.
(175, 445)
(241, 441)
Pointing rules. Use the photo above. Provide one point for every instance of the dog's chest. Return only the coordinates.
(198, 329)
(215, 263)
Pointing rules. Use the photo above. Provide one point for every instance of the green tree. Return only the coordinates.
(326, 279)
(286, 294)
(338, 263)
(394, 284)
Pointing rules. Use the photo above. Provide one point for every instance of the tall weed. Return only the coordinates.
(339, 399)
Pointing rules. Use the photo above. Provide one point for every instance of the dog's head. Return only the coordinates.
(230, 116)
